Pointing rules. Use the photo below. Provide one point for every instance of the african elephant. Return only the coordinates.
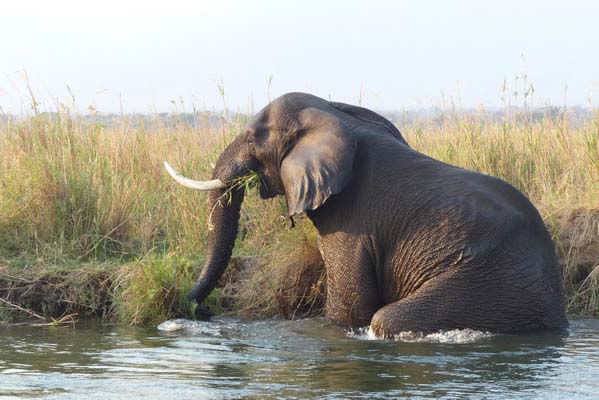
(409, 243)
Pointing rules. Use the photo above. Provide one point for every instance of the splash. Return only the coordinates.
(186, 325)
(455, 336)
(364, 333)
(180, 324)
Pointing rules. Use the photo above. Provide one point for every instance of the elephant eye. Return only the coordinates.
(260, 136)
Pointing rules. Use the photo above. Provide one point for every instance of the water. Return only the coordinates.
(293, 359)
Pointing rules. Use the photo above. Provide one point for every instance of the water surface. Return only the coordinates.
(230, 358)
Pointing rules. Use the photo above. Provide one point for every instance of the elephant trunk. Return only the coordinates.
(224, 208)
(224, 223)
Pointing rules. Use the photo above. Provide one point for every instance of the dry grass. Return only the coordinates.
(289, 282)
(75, 191)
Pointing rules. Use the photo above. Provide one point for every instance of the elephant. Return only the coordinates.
(409, 243)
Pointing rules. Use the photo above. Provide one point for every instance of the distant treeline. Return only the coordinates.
(213, 119)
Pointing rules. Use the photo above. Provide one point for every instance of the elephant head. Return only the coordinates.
(302, 147)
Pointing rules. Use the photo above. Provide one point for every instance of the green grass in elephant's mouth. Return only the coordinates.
(250, 181)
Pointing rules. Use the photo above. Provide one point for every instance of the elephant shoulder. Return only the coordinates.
(370, 117)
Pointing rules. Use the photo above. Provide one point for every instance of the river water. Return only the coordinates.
(311, 358)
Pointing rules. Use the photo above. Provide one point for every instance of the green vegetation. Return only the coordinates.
(90, 223)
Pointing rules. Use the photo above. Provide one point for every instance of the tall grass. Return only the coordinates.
(89, 191)
(74, 190)
(555, 162)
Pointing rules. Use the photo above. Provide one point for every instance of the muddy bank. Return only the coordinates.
(52, 293)
(576, 235)
(150, 291)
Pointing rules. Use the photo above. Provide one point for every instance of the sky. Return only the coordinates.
(164, 56)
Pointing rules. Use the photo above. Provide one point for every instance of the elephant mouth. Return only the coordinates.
(265, 189)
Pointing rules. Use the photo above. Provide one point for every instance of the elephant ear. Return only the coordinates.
(366, 115)
(319, 163)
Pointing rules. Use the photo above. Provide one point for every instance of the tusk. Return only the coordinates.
(190, 183)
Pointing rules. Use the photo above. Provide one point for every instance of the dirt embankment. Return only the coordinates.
(52, 294)
(577, 244)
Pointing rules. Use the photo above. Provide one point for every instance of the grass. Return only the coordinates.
(90, 223)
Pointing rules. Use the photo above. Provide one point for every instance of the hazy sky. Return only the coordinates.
(392, 54)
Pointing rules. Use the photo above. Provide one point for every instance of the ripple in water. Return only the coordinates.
(230, 358)
(456, 336)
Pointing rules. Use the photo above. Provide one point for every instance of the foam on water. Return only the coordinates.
(457, 336)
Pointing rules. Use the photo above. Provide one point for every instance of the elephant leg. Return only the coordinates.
(450, 301)
(352, 296)
(429, 309)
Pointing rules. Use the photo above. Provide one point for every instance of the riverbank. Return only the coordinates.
(91, 225)
(153, 289)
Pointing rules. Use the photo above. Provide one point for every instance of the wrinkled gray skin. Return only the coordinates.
(409, 243)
